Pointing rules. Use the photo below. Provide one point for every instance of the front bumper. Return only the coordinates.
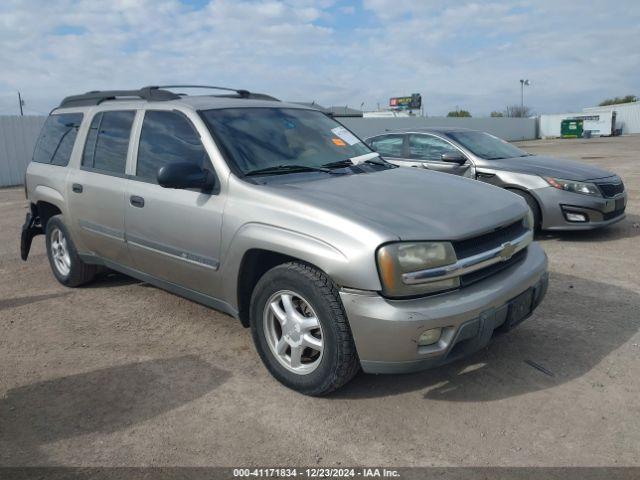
(599, 211)
(386, 331)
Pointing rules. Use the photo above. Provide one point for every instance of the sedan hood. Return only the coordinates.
(549, 167)
(410, 203)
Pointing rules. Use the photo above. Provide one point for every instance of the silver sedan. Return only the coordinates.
(562, 194)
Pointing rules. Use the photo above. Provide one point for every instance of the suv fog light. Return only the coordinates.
(575, 217)
(429, 337)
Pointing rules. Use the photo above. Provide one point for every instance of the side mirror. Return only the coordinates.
(457, 157)
(185, 175)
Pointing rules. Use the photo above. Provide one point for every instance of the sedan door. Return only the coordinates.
(438, 154)
(392, 147)
(173, 234)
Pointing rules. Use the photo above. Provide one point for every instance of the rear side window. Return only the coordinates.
(167, 137)
(388, 145)
(56, 139)
(427, 147)
(108, 142)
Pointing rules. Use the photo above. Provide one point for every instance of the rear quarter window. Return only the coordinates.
(57, 138)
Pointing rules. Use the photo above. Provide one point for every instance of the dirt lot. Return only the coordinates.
(121, 373)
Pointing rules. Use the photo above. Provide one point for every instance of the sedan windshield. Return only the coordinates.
(486, 146)
(283, 140)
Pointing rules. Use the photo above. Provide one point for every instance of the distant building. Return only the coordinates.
(388, 114)
(621, 117)
(344, 112)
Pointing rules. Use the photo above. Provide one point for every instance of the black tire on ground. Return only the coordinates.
(79, 272)
(339, 362)
(533, 205)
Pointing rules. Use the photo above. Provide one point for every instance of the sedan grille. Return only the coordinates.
(611, 189)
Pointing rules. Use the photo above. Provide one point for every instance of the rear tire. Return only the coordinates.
(65, 262)
(533, 205)
(301, 331)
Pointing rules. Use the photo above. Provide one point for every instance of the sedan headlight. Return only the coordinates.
(584, 188)
(397, 258)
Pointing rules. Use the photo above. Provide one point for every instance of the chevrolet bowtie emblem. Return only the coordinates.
(508, 249)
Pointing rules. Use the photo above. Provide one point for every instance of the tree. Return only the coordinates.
(497, 114)
(617, 100)
(459, 113)
(517, 111)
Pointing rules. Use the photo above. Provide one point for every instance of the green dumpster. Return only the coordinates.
(571, 128)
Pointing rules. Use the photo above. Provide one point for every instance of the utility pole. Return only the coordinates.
(522, 85)
(21, 104)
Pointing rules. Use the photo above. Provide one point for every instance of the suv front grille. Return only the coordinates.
(488, 241)
(473, 246)
(473, 277)
(611, 189)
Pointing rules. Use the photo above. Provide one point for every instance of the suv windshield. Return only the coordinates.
(487, 146)
(282, 139)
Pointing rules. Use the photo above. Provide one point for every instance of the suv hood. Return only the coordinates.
(549, 167)
(410, 203)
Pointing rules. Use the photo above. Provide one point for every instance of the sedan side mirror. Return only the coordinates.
(457, 157)
(185, 175)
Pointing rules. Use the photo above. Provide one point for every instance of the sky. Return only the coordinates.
(457, 54)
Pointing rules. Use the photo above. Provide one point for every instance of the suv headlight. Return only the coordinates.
(584, 188)
(397, 258)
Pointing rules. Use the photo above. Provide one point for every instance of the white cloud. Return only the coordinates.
(470, 54)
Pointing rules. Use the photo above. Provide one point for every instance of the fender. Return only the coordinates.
(42, 193)
(315, 251)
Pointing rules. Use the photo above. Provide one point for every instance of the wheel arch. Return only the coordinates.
(533, 196)
(45, 210)
(255, 263)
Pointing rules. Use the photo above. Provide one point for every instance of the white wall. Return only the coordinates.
(550, 124)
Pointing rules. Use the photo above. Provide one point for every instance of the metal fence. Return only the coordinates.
(18, 136)
(506, 128)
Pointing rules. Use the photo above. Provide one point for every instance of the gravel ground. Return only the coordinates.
(120, 373)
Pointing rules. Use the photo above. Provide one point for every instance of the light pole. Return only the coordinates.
(522, 85)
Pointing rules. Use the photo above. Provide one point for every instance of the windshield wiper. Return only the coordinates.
(338, 164)
(378, 161)
(282, 169)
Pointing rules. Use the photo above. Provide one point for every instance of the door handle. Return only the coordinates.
(76, 187)
(136, 201)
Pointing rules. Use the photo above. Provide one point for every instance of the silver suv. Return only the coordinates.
(279, 216)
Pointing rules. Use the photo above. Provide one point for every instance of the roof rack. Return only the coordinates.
(151, 93)
(239, 93)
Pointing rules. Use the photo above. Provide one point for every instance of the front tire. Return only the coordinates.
(65, 262)
(301, 331)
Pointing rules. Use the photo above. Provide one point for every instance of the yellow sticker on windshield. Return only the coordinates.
(338, 142)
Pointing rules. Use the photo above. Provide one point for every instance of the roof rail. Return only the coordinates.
(151, 93)
(96, 97)
(239, 92)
